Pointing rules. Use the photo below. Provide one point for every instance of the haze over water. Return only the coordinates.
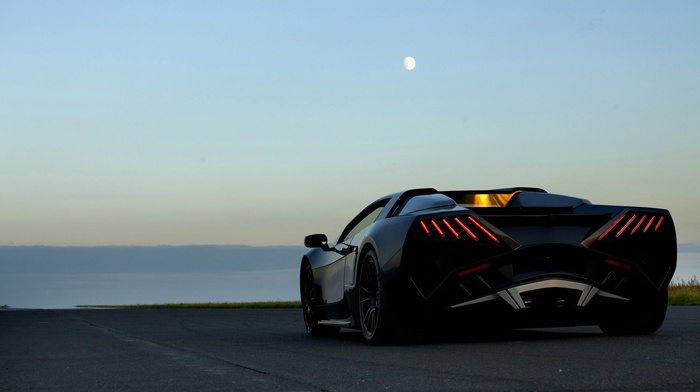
(63, 277)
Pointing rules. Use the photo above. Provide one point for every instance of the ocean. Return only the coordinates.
(64, 277)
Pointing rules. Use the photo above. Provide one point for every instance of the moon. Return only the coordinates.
(409, 63)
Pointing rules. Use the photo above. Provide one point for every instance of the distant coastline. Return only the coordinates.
(63, 277)
(163, 258)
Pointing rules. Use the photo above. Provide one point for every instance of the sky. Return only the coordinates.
(259, 122)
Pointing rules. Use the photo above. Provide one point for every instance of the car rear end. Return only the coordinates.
(542, 259)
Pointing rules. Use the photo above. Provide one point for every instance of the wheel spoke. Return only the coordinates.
(370, 297)
(366, 275)
(370, 318)
(367, 314)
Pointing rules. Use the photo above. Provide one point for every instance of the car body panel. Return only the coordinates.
(519, 252)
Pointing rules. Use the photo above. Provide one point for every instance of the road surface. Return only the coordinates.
(194, 350)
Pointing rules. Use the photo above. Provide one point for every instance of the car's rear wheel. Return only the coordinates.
(309, 303)
(639, 318)
(373, 306)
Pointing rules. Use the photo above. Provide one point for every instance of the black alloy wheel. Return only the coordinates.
(309, 300)
(373, 307)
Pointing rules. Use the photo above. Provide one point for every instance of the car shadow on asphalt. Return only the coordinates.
(474, 336)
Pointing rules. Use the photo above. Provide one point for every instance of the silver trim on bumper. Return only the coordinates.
(513, 298)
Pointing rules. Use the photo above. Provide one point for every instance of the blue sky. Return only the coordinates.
(256, 123)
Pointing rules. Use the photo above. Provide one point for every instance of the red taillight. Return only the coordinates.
(638, 224)
(457, 227)
(466, 229)
(493, 237)
(425, 228)
(451, 229)
(477, 268)
(649, 224)
(611, 227)
(647, 221)
(659, 224)
(617, 264)
(625, 226)
(437, 228)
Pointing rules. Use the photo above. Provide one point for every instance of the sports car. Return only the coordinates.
(517, 257)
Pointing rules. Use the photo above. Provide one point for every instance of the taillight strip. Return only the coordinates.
(451, 229)
(477, 268)
(638, 224)
(611, 227)
(649, 224)
(437, 227)
(459, 222)
(659, 224)
(425, 227)
(618, 264)
(643, 222)
(483, 229)
(625, 226)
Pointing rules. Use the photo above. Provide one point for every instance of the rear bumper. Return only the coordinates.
(562, 293)
(556, 278)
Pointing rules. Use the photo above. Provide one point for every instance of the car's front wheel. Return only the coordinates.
(374, 308)
(309, 300)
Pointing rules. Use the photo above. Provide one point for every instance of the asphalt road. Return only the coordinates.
(188, 350)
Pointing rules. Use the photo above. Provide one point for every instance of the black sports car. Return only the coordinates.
(520, 257)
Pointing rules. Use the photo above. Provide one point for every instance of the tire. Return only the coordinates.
(374, 309)
(309, 303)
(640, 318)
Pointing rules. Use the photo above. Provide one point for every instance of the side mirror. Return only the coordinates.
(316, 241)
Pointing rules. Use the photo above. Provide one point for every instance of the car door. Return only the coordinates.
(352, 239)
(336, 264)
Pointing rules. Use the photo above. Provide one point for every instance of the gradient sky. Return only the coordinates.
(258, 122)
